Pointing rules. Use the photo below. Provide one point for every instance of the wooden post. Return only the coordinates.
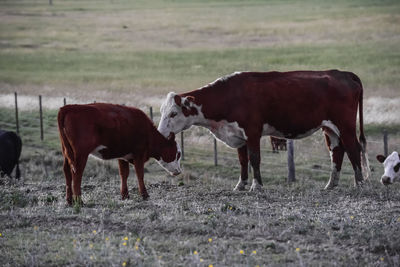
(215, 152)
(151, 113)
(385, 142)
(290, 157)
(16, 113)
(41, 117)
(182, 148)
(65, 101)
(51, 2)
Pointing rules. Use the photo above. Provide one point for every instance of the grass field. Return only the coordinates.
(134, 52)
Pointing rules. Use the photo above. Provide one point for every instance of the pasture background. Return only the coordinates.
(134, 52)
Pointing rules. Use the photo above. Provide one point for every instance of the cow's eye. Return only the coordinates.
(173, 114)
(397, 167)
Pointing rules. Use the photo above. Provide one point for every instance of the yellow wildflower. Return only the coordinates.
(138, 239)
(297, 249)
(91, 257)
(210, 265)
(94, 232)
(254, 252)
(195, 252)
(125, 238)
(1, 234)
(107, 239)
(90, 245)
(137, 247)
(124, 263)
(241, 251)
(382, 258)
(210, 240)
(351, 217)
(201, 260)
(124, 243)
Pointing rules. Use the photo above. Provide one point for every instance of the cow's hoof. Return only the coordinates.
(77, 200)
(145, 196)
(330, 186)
(255, 186)
(241, 186)
(125, 196)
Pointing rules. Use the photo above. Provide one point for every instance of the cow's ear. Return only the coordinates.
(171, 136)
(178, 100)
(380, 158)
(188, 100)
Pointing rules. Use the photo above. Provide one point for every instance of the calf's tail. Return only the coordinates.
(66, 146)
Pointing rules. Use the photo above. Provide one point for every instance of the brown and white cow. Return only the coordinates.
(391, 166)
(110, 131)
(240, 108)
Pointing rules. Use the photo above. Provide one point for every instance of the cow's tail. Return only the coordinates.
(66, 146)
(363, 140)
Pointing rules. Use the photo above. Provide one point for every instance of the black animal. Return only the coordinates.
(10, 150)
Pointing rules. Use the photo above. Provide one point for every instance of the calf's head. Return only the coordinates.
(391, 164)
(177, 114)
(170, 158)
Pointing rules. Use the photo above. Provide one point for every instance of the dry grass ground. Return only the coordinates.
(134, 52)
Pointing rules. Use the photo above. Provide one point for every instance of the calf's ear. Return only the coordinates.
(380, 158)
(171, 136)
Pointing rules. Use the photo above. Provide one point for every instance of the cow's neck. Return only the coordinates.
(217, 101)
(157, 142)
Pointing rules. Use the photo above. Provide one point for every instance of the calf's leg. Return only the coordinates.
(244, 161)
(68, 181)
(139, 168)
(124, 173)
(79, 164)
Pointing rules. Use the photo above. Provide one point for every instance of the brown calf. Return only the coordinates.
(110, 131)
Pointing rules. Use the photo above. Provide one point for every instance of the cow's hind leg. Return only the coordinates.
(253, 145)
(124, 173)
(79, 164)
(337, 152)
(139, 168)
(353, 150)
(244, 161)
(68, 181)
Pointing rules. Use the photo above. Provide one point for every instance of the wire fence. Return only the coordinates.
(308, 155)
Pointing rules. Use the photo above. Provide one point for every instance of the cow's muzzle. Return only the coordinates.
(386, 180)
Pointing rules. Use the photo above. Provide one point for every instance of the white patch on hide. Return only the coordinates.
(255, 186)
(95, 153)
(230, 133)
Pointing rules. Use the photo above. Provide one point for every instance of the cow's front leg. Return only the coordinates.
(244, 161)
(139, 168)
(124, 173)
(254, 155)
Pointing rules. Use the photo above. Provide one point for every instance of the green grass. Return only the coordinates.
(152, 47)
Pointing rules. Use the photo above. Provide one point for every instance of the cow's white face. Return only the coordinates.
(392, 168)
(177, 114)
(170, 158)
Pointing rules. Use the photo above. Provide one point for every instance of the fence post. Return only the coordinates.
(182, 148)
(290, 158)
(65, 101)
(41, 117)
(151, 113)
(16, 113)
(215, 152)
(51, 2)
(385, 142)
